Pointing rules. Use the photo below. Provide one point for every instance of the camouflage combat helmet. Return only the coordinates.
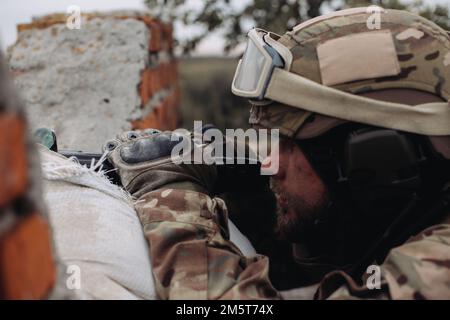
(404, 59)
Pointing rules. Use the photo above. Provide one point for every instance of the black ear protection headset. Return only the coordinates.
(384, 185)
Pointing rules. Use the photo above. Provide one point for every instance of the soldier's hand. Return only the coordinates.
(150, 159)
(146, 161)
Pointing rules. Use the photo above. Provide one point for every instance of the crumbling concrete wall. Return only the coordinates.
(116, 73)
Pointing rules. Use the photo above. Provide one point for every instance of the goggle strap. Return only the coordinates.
(291, 89)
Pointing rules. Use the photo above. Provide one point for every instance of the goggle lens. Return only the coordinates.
(251, 67)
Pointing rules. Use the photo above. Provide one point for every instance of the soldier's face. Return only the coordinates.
(301, 194)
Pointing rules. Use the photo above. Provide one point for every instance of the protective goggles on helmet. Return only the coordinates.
(261, 56)
(263, 76)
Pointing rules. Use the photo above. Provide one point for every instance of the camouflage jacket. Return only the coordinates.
(192, 257)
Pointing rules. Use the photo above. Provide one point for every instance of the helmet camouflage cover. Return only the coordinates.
(342, 51)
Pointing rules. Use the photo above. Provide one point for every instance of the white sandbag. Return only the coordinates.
(97, 230)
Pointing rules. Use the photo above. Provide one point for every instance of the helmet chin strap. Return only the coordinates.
(323, 236)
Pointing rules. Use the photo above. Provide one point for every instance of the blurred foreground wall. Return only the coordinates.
(114, 74)
(29, 267)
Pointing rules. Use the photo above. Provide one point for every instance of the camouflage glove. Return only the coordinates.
(144, 163)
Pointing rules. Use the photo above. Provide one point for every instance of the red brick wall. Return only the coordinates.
(165, 115)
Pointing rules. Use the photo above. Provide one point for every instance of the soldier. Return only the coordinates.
(363, 173)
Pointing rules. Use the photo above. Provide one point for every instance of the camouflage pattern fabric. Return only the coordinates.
(278, 116)
(187, 232)
(422, 48)
(418, 269)
(423, 51)
(190, 251)
(192, 257)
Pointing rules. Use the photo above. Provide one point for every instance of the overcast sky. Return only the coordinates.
(13, 12)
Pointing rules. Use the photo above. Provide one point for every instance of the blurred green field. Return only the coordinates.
(206, 93)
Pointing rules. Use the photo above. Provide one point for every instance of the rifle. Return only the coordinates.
(47, 137)
(234, 177)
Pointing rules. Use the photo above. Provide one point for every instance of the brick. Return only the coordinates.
(149, 121)
(166, 110)
(175, 70)
(150, 82)
(159, 114)
(161, 76)
(27, 268)
(145, 91)
(147, 20)
(171, 73)
(13, 163)
(164, 75)
(154, 80)
(176, 106)
(43, 23)
(170, 112)
(177, 94)
(155, 44)
(168, 36)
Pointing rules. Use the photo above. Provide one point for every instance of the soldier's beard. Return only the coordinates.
(297, 217)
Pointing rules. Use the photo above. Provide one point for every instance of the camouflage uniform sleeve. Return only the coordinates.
(418, 269)
(190, 251)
